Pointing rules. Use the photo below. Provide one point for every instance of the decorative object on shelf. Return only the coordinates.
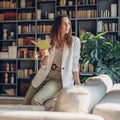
(12, 36)
(6, 78)
(46, 14)
(70, 3)
(78, 2)
(113, 10)
(19, 29)
(62, 2)
(10, 92)
(39, 12)
(22, 3)
(7, 66)
(12, 79)
(12, 67)
(5, 34)
(36, 59)
(50, 15)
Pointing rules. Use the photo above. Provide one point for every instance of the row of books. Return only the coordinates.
(8, 16)
(110, 27)
(105, 13)
(30, 53)
(85, 2)
(71, 13)
(104, 27)
(13, 4)
(109, 13)
(87, 13)
(112, 12)
(7, 4)
(25, 41)
(26, 16)
(44, 28)
(25, 53)
(8, 66)
(25, 73)
(13, 16)
(26, 29)
(11, 53)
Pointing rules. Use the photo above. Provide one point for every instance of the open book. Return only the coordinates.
(42, 44)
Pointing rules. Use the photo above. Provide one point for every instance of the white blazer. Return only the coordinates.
(70, 61)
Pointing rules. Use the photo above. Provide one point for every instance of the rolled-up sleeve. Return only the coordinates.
(76, 54)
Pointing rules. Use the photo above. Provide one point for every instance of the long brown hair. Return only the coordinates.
(54, 33)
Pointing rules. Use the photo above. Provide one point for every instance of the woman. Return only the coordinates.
(59, 65)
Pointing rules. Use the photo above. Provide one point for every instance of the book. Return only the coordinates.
(100, 26)
(42, 44)
(113, 10)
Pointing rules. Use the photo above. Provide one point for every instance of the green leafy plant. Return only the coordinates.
(103, 54)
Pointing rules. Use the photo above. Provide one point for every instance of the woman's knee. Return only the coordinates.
(46, 92)
(34, 101)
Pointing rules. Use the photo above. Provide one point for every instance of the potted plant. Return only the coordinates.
(103, 54)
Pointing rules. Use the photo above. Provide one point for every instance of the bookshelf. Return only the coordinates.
(108, 18)
(21, 24)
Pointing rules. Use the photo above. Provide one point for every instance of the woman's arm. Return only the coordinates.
(45, 56)
(76, 57)
(76, 78)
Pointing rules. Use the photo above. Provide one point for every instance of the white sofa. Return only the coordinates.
(97, 99)
(44, 115)
(109, 106)
(98, 96)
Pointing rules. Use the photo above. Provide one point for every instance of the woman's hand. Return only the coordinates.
(76, 78)
(43, 53)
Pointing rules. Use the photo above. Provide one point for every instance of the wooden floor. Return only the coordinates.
(11, 100)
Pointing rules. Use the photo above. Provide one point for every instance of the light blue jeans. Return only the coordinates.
(51, 85)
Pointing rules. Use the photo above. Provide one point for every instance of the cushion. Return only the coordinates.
(109, 107)
(83, 98)
(103, 79)
(79, 98)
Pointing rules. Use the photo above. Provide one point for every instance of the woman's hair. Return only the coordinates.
(54, 33)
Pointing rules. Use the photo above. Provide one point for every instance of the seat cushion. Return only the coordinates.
(102, 79)
(84, 97)
(109, 107)
(79, 99)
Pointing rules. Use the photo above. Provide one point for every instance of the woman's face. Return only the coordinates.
(65, 26)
